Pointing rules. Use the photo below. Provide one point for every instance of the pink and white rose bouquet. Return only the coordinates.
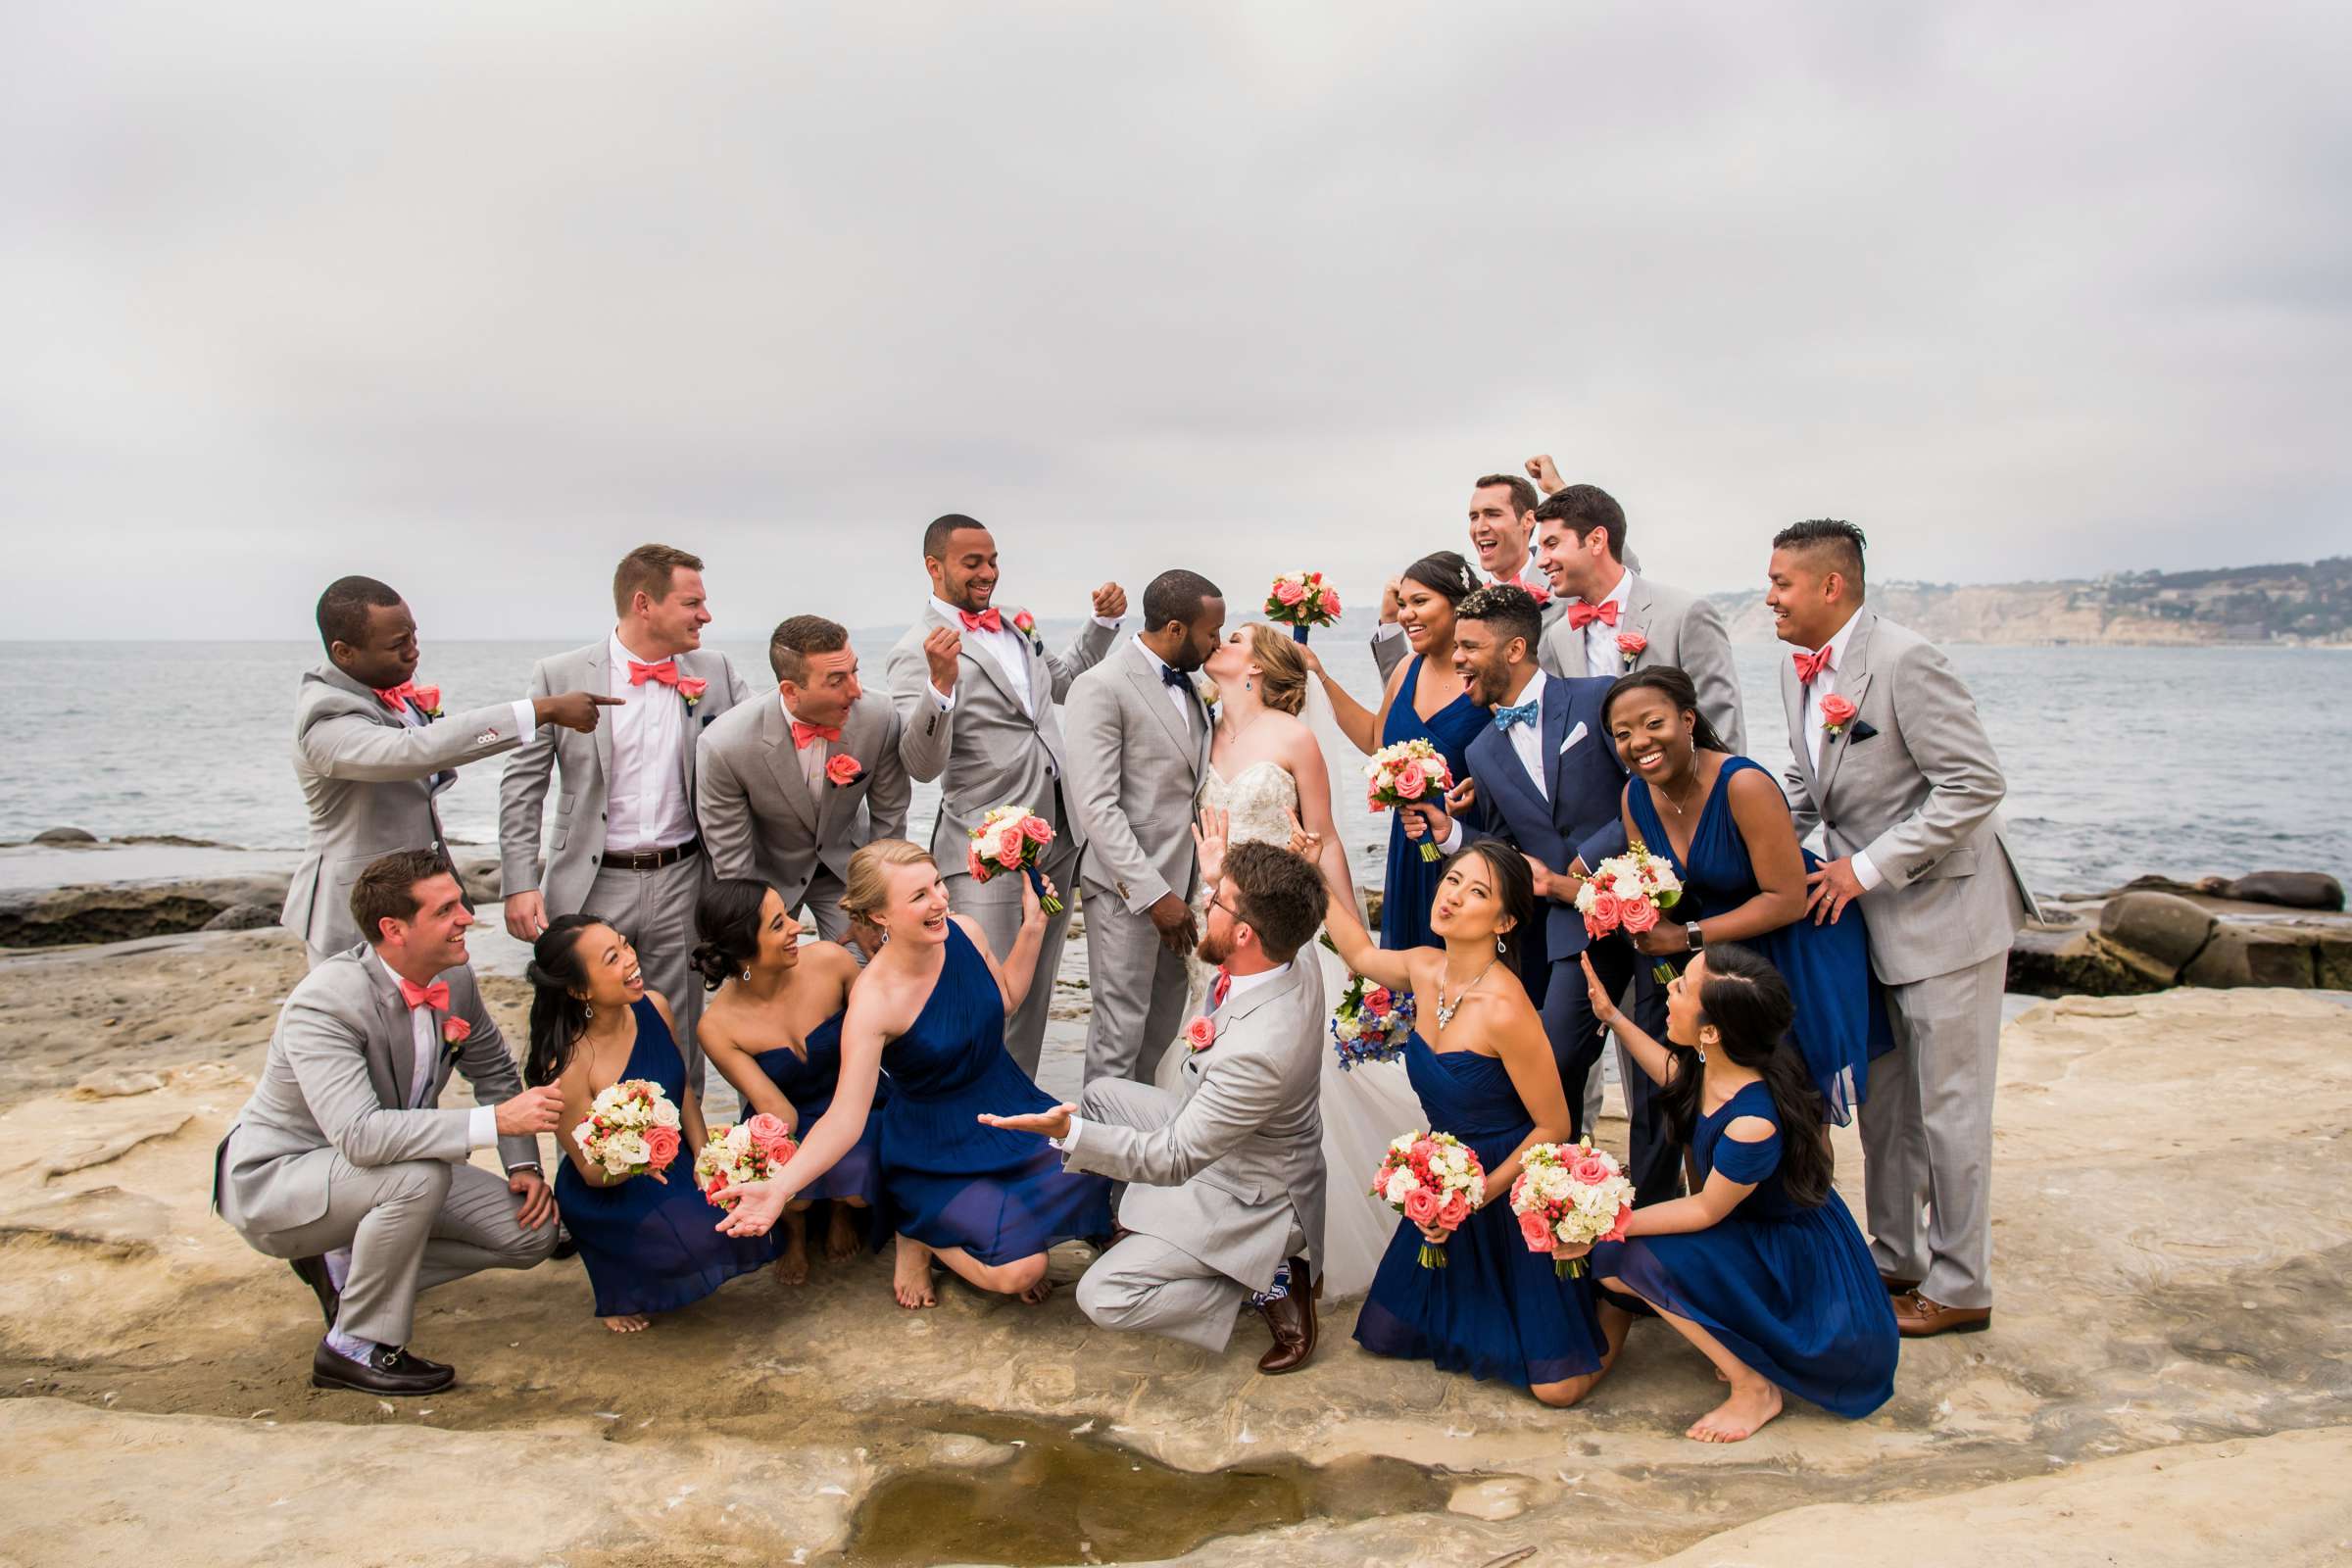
(1628, 891)
(1407, 774)
(1299, 600)
(1570, 1195)
(742, 1151)
(631, 1129)
(1012, 838)
(1433, 1179)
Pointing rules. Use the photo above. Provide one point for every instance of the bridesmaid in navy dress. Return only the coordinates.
(1762, 1267)
(930, 1009)
(1484, 1074)
(1425, 699)
(1723, 824)
(647, 1240)
(773, 1031)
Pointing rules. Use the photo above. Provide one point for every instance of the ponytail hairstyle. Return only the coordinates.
(1747, 1002)
(727, 919)
(558, 1017)
(1514, 888)
(1677, 687)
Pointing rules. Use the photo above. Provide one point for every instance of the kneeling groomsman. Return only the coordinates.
(788, 787)
(342, 1161)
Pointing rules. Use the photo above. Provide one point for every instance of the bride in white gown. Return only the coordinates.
(1268, 778)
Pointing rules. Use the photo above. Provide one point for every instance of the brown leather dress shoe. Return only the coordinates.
(1918, 1317)
(1292, 1321)
(1896, 1285)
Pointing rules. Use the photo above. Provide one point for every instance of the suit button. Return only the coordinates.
(1832, 826)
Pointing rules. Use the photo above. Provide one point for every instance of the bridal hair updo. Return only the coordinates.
(1281, 668)
(1446, 573)
(868, 886)
(726, 918)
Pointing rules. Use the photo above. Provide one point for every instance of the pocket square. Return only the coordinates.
(1574, 735)
(1860, 732)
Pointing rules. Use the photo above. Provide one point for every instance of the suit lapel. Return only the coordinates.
(397, 1034)
(690, 719)
(974, 661)
(1491, 751)
(597, 679)
(1259, 996)
(1854, 679)
(1639, 612)
(784, 761)
(1146, 676)
(1559, 699)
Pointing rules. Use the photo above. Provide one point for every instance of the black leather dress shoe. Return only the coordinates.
(389, 1371)
(312, 1271)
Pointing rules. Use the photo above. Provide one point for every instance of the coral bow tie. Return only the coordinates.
(1219, 989)
(667, 672)
(803, 734)
(394, 697)
(434, 996)
(986, 620)
(1811, 666)
(1582, 614)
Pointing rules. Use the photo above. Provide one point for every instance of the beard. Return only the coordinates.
(1212, 950)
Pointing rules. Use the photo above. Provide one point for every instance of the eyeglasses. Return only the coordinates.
(1216, 903)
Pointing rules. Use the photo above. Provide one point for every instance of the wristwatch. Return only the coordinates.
(1696, 937)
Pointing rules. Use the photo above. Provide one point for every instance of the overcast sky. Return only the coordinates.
(472, 297)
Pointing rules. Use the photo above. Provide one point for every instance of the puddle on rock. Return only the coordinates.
(1060, 1498)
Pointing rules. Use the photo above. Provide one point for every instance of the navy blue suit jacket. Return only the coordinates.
(1586, 783)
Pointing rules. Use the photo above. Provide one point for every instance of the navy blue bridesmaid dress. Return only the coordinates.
(1790, 1291)
(949, 1181)
(651, 1247)
(809, 1082)
(1496, 1310)
(1412, 882)
(1840, 1013)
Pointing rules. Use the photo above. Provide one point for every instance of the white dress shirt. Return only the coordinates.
(1601, 657)
(645, 799)
(481, 1123)
(1526, 743)
(812, 757)
(1186, 702)
(1007, 648)
(1823, 685)
(1241, 985)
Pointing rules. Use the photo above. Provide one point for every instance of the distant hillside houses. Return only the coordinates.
(2293, 603)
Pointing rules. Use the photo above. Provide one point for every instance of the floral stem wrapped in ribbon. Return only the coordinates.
(1570, 1195)
(1628, 891)
(1435, 1180)
(1012, 838)
(631, 1129)
(736, 1152)
(1370, 1023)
(1407, 774)
(1299, 600)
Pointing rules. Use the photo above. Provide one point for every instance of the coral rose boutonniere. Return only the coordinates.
(456, 1032)
(429, 701)
(691, 690)
(1629, 646)
(843, 770)
(1201, 1033)
(1835, 713)
(1026, 624)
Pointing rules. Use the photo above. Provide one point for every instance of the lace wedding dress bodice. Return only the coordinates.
(1258, 803)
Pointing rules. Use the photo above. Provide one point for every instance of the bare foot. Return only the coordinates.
(1739, 1416)
(1036, 1293)
(841, 1234)
(910, 1275)
(791, 1267)
(628, 1323)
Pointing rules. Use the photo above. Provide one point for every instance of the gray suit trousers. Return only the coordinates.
(654, 910)
(410, 1226)
(1927, 1134)
(1137, 988)
(997, 904)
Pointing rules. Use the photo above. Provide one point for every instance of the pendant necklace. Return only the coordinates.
(1447, 1009)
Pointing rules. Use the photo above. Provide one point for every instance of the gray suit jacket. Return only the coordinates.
(1135, 770)
(340, 1069)
(987, 751)
(1684, 631)
(757, 815)
(1240, 1153)
(369, 780)
(1922, 795)
(580, 766)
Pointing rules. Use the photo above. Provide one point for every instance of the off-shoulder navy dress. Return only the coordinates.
(948, 1180)
(1496, 1310)
(1790, 1291)
(808, 1083)
(652, 1247)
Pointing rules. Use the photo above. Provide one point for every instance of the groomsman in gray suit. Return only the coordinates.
(1223, 1156)
(1893, 764)
(342, 1161)
(979, 704)
(625, 844)
(1139, 746)
(1604, 603)
(788, 787)
(371, 749)
(1502, 520)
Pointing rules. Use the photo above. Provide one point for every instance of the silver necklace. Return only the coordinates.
(1447, 1009)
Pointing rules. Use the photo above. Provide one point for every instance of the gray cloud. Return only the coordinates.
(474, 300)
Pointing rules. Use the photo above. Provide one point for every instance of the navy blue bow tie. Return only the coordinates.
(1170, 675)
(1524, 713)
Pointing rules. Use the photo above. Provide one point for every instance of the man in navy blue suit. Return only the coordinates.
(1550, 782)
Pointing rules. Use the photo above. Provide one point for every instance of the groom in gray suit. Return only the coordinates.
(1223, 1157)
(788, 786)
(626, 845)
(343, 1163)
(1893, 764)
(371, 749)
(1139, 746)
(979, 704)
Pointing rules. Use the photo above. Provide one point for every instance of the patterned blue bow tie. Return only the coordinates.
(1524, 713)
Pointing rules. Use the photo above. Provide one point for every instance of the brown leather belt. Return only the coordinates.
(653, 859)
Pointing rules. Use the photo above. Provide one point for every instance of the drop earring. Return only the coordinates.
(586, 1011)
(747, 971)
(1498, 947)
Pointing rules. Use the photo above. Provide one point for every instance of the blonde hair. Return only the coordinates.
(870, 875)
(1281, 668)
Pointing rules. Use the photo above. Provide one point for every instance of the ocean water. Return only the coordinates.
(2120, 760)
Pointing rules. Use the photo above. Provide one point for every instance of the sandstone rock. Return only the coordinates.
(2331, 961)
(65, 835)
(2256, 955)
(2162, 927)
(242, 918)
(2057, 962)
(2295, 889)
(118, 911)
